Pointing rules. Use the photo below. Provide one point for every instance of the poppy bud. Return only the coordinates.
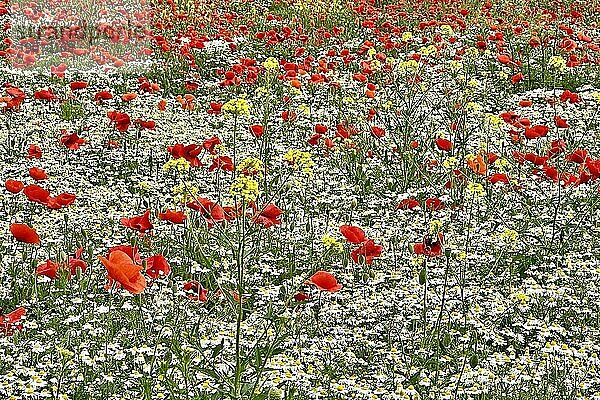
(308, 228)
(473, 361)
(354, 203)
(63, 256)
(423, 276)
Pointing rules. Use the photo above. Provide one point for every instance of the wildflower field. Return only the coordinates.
(299, 199)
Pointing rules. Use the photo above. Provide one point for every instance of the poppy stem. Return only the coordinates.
(240, 310)
(425, 305)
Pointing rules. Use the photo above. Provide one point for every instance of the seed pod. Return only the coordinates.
(423, 276)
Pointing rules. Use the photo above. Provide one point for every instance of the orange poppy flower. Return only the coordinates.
(477, 164)
(128, 96)
(122, 269)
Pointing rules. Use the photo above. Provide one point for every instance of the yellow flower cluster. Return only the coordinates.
(476, 189)
(450, 162)
(331, 243)
(238, 106)
(494, 121)
(454, 66)
(502, 164)
(271, 64)
(447, 30)
(520, 297)
(435, 226)
(509, 235)
(299, 160)
(557, 62)
(244, 187)
(251, 166)
(178, 164)
(409, 66)
(472, 107)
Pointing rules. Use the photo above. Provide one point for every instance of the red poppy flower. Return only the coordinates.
(78, 85)
(189, 152)
(121, 120)
(53, 270)
(44, 94)
(492, 157)
(49, 269)
(72, 141)
(320, 129)
(578, 156)
(536, 131)
(103, 95)
(314, 139)
(503, 58)
(301, 296)
(24, 233)
(534, 158)
(557, 147)
(122, 270)
(222, 162)
(289, 116)
(516, 78)
(498, 177)
(65, 199)
(593, 166)
(269, 216)
(36, 194)
(140, 223)
(210, 210)
(34, 152)
(324, 281)
(176, 217)
(367, 251)
(353, 234)
(477, 164)
(443, 144)
(38, 174)
(157, 266)
(567, 95)
(256, 130)
(434, 204)
(195, 291)
(377, 132)
(209, 144)
(62, 200)
(525, 103)
(215, 108)
(560, 123)
(430, 247)
(12, 321)
(75, 262)
(407, 204)
(58, 71)
(13, 186)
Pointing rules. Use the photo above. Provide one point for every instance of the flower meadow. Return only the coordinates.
(299, 199)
